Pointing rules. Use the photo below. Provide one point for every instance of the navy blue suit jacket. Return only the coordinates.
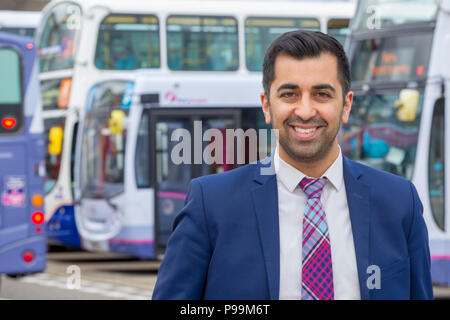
(225, 241)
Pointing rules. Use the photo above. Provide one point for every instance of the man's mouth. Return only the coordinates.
(303, 133)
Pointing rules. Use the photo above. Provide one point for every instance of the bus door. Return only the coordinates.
(183, 147)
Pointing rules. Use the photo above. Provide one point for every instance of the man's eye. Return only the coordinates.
(324, 94)
(287, 94)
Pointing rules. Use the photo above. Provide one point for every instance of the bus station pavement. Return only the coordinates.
(81, 275)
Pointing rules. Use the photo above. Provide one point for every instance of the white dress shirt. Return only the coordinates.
(291, 204)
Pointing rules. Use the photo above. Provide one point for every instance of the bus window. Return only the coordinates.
(57, 39)
(55, 93)
(202, 43)
(170, 176)
(142, 156)
(103, 142)
(436, 165)
(128, 42)
(392, 58)
(28, 32)
(11, 92)
(11, 108)
(54, 132)
(339, 29)
(211, 165)
(376, 136)
(260, 32)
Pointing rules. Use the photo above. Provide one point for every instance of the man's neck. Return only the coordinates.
(312, 169)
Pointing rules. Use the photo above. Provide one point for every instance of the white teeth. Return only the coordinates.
(304, 130)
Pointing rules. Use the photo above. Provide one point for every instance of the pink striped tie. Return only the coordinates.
(317, 270)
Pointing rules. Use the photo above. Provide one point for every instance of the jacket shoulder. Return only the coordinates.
(236, 177)
(372, 175)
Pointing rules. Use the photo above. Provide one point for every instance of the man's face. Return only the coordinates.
(306, 106)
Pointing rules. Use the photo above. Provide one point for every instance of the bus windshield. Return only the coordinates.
(376, 14)
(261, 32)
(128, 42)
(399, 58)
(377, 136)
(57, 39)
(103, 141)
(202, 43)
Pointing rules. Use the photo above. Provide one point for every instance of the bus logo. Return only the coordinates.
(14, 191)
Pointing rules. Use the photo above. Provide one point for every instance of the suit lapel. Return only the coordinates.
(265, 202)
(358, 199)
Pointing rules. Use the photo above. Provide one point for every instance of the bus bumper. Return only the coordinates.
(12, 256)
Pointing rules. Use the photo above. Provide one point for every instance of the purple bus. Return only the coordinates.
(23, 243)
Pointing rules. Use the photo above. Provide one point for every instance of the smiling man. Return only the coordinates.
(319, 226)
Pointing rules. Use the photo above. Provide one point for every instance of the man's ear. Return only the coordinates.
(265, 107)
(348, 101)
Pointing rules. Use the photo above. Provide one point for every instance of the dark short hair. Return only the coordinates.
(306, 44)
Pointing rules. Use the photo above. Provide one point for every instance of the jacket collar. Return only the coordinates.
(265, 201)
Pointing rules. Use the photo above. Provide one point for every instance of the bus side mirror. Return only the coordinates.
(55, 137)
(116, 121)
(407, 104)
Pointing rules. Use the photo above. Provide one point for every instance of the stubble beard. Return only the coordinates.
(307, 151)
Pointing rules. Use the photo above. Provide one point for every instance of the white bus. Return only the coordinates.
(86, 41)
(401, 78)
(23, 23)
(129, 184)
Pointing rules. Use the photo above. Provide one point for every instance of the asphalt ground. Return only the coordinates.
(81, 275)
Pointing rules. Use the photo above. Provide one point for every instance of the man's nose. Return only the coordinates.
(305, 108)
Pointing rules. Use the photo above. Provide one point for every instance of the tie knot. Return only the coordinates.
(312, 187)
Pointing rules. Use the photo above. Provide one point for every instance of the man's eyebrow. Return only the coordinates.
(285, 86)
(324, 86)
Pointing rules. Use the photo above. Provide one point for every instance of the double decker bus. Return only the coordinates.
(82, 42)
(398, 52)
(23, 243)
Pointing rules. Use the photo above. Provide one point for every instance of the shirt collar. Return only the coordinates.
(291, 177)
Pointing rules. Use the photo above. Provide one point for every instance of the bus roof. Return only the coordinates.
(24, 19)
(221, 7)
(199, 90)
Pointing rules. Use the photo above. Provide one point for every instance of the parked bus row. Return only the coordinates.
(84, 45)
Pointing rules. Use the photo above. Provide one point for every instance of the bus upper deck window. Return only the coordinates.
(200, 43)
(128, 42)
(260, 32)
